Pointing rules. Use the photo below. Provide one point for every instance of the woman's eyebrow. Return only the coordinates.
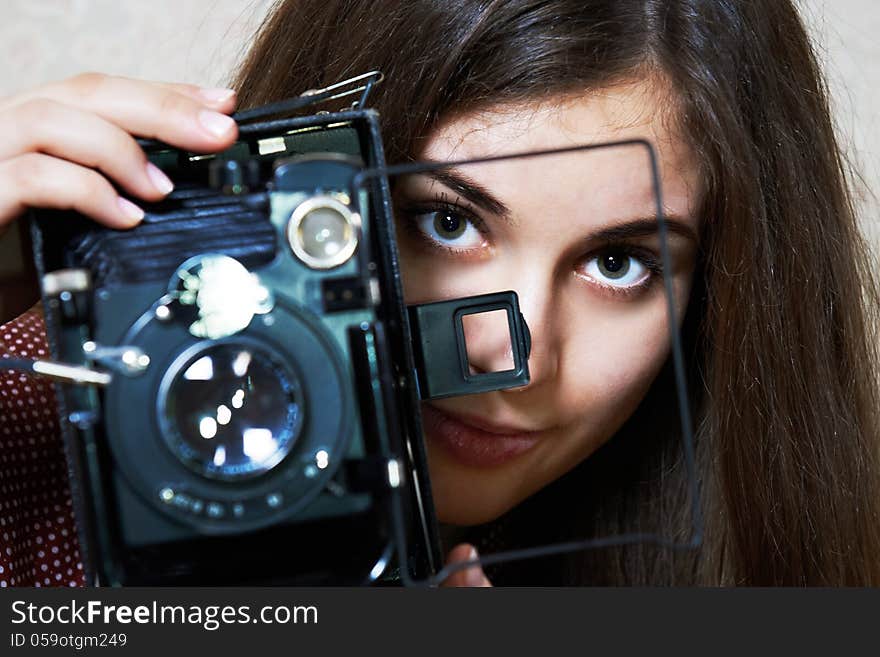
(644, 227)
(470, 189)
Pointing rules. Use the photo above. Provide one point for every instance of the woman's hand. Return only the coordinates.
(61, 144)
(473, 576)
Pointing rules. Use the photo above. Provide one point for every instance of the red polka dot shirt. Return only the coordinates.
(38, 541)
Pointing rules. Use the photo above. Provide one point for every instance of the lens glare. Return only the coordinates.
(234, 411)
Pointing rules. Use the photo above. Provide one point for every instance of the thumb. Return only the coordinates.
(473, 576)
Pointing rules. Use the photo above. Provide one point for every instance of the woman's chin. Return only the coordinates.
(466, 496)
(465, 515)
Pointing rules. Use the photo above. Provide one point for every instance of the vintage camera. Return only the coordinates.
(249, 407)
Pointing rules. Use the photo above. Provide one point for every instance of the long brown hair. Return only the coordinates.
(781, 324)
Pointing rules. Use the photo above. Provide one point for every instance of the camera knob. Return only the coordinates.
(69, 291)
(234, 176)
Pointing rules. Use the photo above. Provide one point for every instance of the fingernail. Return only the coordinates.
(132, 212)
(160, 180)
(219, 125)
(217, 95)
(473, 576)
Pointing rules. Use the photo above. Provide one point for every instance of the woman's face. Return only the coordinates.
(575, 236)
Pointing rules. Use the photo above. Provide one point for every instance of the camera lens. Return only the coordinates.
(232, 411)
(323, 232)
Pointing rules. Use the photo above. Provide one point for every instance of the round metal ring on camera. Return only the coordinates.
(318, 435)
(351, 224)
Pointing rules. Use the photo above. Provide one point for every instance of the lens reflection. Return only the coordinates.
(234, 411)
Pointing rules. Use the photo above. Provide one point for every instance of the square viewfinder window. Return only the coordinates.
(488, 342)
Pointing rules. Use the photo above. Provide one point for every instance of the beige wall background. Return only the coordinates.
(200, 40)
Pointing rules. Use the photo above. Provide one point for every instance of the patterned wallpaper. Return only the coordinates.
(200, 40)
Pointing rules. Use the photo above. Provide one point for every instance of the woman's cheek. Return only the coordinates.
(608, 370)
(423, 277)
(428, 278)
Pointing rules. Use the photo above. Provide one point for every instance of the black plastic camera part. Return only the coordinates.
(442, 365)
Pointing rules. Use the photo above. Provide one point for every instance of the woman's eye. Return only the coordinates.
(449, 229)
(617, 269)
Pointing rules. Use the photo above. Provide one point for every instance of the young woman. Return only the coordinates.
(774, 285)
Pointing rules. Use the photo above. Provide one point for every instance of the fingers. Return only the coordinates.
(473, 576)
(53, 137)
(82, 137)
(39, 180)
(219, 98)
(180, 115)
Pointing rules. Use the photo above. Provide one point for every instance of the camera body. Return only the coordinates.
(263, 402)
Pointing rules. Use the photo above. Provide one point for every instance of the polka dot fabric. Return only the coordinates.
(38, 542)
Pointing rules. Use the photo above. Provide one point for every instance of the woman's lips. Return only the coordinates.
(484, 446)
